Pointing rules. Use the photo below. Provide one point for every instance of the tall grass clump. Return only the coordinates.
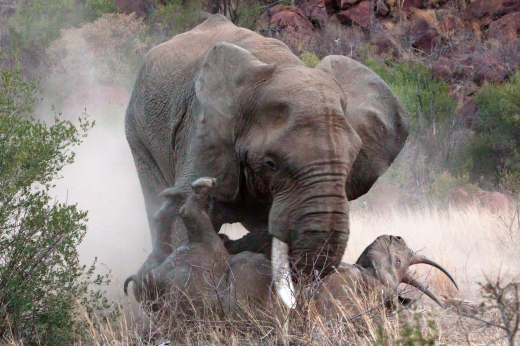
(42, 282)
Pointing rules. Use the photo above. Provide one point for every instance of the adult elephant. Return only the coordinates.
(289, 145)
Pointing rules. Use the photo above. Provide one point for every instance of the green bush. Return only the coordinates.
(492, 155)
(173, 17)
(426, 98)
(432, 125)
(42, 282)
(310, 59)
(37, 23)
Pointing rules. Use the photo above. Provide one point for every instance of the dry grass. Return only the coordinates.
(471, 242)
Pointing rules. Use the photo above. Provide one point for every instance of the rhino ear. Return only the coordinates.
(377, 116)
(224, 92)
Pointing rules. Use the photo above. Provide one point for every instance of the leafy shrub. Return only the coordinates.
(97, 8)
(310, 59)
(426, 98)
(493, 153)
(173, 17)
(432, 124)
(445, 183)
(36, 23)
(41, 279)
(108, 50)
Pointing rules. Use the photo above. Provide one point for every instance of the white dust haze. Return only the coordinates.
(103, 180)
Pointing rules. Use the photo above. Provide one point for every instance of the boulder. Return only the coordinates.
(382, 9)
(506, 28)
(444, 68)
(315, 11)
(491, 200)
(487, 69)
(360, 14)
(494, 201)
(383, 45)
(409, 6)
(489, 10)
(425, 36)
(345, 4)
(292, 17)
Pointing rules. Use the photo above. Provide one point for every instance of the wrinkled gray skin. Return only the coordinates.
(289, 145)
(201, 275)
(207, 277)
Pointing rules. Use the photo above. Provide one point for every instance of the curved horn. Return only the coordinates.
(409, 280)
(418, 258)
(282, 273)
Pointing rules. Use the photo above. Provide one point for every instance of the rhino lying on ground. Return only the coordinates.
(202, 276)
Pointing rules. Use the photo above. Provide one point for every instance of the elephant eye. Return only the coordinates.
(398, 261)
(270, 164)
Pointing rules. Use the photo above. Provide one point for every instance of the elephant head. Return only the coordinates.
(303, 141)
(382, 266)
(388, 259)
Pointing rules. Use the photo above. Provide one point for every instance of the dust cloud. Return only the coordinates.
(103, 180)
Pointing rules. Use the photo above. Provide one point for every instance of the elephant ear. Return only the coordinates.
(377, 116)
(224, 92)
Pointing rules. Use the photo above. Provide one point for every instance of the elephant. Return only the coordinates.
(289, 145)
(201, 275)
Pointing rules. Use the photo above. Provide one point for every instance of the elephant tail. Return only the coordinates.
(127, 281)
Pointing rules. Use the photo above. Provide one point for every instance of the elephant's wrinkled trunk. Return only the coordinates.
(315, 225)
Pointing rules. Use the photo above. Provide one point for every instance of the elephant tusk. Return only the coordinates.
(282, 273)
(418, 258)
(409, 280)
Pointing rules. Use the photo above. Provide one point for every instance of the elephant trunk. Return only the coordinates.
(315, 225)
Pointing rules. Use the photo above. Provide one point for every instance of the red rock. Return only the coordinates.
(410, 5)
(506, 28)
(494, 201)
(442, 68)
(293, 18)
(492, 9)
(275, 9)
(487, 69)
(315, 12)
(382, 9)
(383, 45)
(448, 24)
(345, 4)
(425, 36)
(361, 15)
